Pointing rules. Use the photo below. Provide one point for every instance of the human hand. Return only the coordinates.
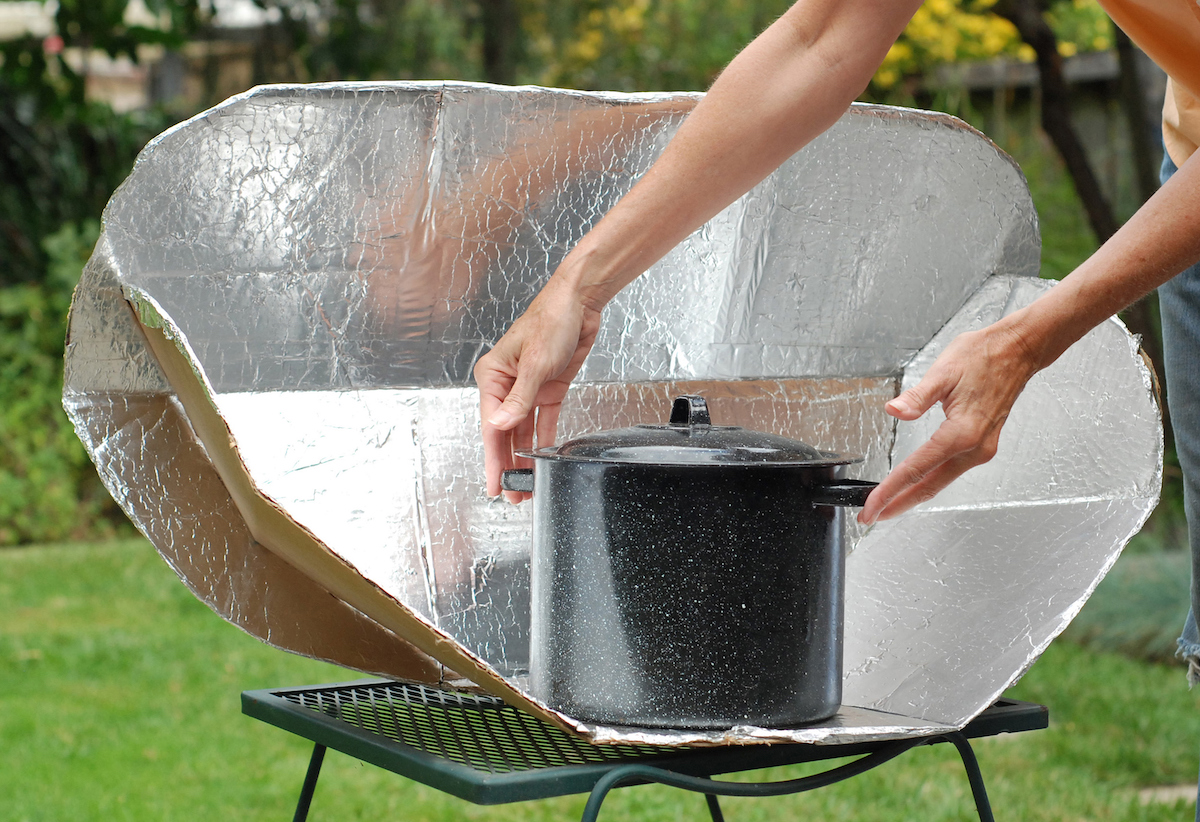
(976, 379)
(524, 378)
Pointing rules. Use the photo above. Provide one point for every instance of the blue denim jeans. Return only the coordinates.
(1179, 302)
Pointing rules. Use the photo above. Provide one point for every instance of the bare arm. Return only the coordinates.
(787, 87)
(979, 376)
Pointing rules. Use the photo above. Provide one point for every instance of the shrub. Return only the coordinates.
(48, 488)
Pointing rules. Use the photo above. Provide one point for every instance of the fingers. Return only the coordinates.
(921, 464)
(524, 378)
(507, 425)
(547, 423)
(497, 456)
(955, 448)
(921, 491)
(518, 403)
(964, 379)
(513, 407)
(520, 439)
(925, 490)
(932, 389)
(510, 422)
(522, 397)
(500, 447)
(494, 380)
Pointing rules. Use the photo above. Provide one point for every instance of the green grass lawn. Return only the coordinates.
(119, 700)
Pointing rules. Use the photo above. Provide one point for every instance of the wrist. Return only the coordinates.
(1034, 336)
(584, 275)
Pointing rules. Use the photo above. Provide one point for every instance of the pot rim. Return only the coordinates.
(549, 452)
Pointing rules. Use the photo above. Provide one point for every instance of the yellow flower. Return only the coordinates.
(587, 48)
(629, 19)
(900, 52)
(886, 78)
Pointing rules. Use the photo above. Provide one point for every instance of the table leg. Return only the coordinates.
(714, 808)
(982, 806)
(632, 774)
(310, 783)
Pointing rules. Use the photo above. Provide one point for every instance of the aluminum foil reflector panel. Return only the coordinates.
(270, 354)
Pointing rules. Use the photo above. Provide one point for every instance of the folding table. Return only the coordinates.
(480, 749)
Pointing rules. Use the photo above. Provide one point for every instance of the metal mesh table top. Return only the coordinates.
(483, 750)
(481, 732)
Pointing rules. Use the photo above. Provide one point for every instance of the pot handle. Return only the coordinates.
(690, 409)
(518, 479)
(845, 493)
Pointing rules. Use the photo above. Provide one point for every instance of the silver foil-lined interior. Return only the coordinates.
(270, 352)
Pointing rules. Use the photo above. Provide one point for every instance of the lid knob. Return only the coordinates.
(690, 410)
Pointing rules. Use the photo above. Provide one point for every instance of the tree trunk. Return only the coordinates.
(1133, 101)
(501, 33)
(1026, 15)
(1056, 111)
(1142, 317)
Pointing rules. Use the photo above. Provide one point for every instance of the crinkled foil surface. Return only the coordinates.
(331, 260)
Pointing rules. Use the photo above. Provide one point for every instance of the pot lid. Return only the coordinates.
(690, 438)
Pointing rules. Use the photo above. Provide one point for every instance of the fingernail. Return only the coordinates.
(900, 406)
(501, 418)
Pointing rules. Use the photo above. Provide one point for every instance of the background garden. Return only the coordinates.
(118, 690)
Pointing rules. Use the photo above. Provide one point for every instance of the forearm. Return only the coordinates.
(783, 90)
(1158, 242)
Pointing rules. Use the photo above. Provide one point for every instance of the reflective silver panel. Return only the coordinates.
(948, 605)
(852, 724)
(158, 471)
(332, 259)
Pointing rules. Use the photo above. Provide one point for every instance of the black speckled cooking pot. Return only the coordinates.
(688, 575)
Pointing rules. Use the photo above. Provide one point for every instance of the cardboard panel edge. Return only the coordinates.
(271, 526)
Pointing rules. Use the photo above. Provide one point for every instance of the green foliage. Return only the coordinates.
(641, 45)
(950, 31)
(104, 25)
(61, 154)
(1067, 239)
(373, 40)
(48, 489)
(61, 157)
(1080, 25)
(627, 45)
